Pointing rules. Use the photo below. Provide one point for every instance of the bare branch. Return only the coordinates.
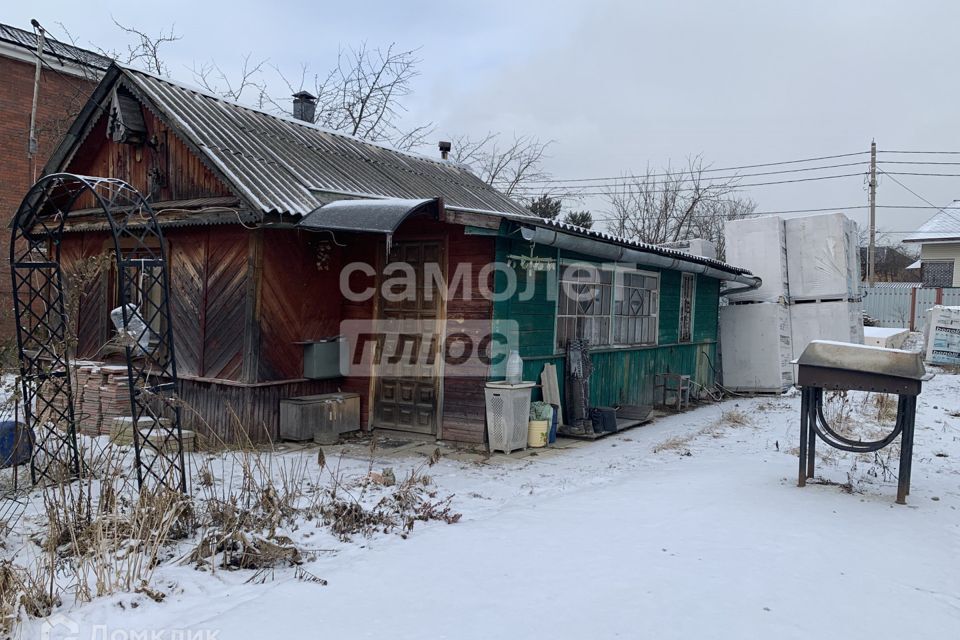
(212, 77)
(145, 51)
(675, 204)
(511, 168)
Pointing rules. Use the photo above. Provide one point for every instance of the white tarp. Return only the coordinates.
(755, 347)
(840, 321)
(822, 257)
(759, 244)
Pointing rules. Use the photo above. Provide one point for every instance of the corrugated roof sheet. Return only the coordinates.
(53, 47)
(944, 225)
(626, 242)
(282, 165)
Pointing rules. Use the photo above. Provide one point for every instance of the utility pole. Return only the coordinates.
(872, 248)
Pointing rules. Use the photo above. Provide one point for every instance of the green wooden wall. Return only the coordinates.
(621, 375)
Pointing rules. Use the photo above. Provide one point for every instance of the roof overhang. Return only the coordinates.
(368, 216)
(941, 239)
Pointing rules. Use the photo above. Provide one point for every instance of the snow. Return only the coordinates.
(884, 332)
(691, 526)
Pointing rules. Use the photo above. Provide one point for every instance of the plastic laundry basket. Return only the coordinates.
(508, 412)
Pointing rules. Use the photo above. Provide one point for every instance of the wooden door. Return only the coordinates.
(407, 389)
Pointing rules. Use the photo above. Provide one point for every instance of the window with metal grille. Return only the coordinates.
(583, 304)
(688, 285)
(635, 308)
(937, 273)
(607, 306)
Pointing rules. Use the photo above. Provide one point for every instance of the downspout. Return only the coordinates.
(617, 253)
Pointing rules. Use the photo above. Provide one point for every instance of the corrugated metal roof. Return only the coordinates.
(626, 242)
(282, 165)
(944, 225)
(53, 47)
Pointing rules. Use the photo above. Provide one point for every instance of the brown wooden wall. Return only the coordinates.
(169, 170)
(297, 301)
(92, 323)
(463, 397)
(208, 281)
(208, 287)
(216, 411)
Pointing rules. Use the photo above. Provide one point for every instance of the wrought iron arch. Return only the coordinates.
(142, 316)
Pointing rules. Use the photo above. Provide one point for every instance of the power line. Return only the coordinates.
(927, 162)
(916, 173)
(939, 209)
(680, 172)
(732, 187)
(618, 183)
(933, 153)
(681, 176)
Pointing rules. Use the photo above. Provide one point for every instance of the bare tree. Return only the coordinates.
(507, 166)
(710, 223)
(674, 204)
(212, 77)
(145, 50)
(363, 94)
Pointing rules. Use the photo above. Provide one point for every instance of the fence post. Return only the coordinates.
(939, 298)
(913, 308)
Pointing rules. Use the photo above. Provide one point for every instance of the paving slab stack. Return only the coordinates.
(810, 269)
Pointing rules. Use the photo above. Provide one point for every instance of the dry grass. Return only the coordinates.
(730, 419)
(100, 535)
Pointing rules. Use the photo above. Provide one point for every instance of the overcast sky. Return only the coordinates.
(622, 85)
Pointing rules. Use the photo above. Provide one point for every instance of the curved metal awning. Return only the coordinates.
(366, 216)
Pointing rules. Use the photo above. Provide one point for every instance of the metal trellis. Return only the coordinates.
(143, 321)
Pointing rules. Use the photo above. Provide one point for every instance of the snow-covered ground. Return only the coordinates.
(690, 527)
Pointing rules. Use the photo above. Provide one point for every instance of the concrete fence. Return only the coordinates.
(905, 304)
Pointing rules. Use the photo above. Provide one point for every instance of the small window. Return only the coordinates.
(937, 273)
(688, 285)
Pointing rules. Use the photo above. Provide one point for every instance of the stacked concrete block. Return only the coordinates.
(823, 263)
(811, 291)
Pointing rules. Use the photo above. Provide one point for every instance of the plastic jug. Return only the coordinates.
(514, 368)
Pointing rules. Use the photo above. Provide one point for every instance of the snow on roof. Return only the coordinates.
(944, 225)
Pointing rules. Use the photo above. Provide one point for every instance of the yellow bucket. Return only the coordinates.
(537, 433)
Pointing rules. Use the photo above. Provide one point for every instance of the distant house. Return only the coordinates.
(939, 240)
(280, 234)
(68, 77)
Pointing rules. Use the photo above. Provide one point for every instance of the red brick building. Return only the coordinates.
(68, 77)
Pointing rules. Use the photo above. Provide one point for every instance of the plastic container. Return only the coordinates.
(604, 419)
(538, 433)
(16, 444)
(514, 368)
(553, 424)
(508, 414)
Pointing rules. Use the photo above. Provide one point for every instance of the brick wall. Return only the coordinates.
(61, 97)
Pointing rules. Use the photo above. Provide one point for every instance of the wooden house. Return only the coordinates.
(273, 224)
